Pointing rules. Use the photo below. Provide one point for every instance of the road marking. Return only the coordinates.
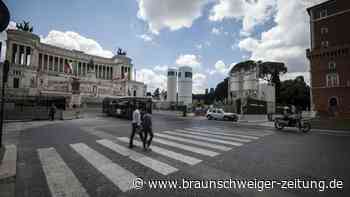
(162, 151)
(61, 180)
(227, 130)
(186, 147)
(155, 165)
(215, 136)
(119, 176)
(200, 143)
(8, 163)
(205, 138)
(265, 132)
(224, 134)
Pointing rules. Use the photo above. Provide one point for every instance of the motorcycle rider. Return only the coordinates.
(292, 116)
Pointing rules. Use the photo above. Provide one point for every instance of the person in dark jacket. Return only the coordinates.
(147, 130)
(52, 112)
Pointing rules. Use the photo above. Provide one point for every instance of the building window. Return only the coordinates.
(188, 75)
(14, 53)
(179, 74)
(324, 44)
(324, 30)
(332, 80)
(171, 73)
(332, 67)
(323, 13)
(15, 82)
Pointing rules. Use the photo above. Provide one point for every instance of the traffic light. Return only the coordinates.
(5, 71)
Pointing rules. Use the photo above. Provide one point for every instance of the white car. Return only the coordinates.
(220, 114)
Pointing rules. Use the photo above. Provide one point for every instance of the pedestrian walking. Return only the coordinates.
(52, 112)
(147, 130)
(136, 124)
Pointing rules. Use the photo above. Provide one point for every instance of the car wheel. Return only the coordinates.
(226, 118)
(209, 117)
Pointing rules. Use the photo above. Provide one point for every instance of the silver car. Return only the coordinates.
(220, 114)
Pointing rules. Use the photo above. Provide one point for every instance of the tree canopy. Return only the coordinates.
(221, 90)
(156, 94)
(294, 92)
(24, 26)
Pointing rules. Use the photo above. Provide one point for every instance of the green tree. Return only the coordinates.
(271, 71)
(24, 26)
(156, 93)
(221, 90)
(295, 92)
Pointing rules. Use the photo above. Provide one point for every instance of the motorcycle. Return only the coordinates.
(302, 124)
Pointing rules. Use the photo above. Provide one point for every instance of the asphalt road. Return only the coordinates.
(89, 157)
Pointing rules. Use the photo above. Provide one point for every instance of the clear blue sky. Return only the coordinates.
(115, 23)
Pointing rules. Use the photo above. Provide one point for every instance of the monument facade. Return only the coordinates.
(39, 69)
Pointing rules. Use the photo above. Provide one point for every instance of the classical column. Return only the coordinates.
(48, 62)
(17, 55)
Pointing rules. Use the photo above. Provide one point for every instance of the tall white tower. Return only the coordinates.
(185, 85)
(172, 85)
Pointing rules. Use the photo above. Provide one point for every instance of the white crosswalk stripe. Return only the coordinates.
(224, 134)
(119, 176)
(204, 138)
(186, 147)
(167, 153)
(215, 136)
(260, 134)
(175, 144)
(196, 142)
(155, 165)
(59, 177)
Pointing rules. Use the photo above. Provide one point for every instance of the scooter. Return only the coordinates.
(302, 124)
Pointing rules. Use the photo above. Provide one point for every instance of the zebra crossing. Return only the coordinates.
(188, 146)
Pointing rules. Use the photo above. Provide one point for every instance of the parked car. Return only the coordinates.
(220, 114)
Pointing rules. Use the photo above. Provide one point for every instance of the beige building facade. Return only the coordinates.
(38, 69)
